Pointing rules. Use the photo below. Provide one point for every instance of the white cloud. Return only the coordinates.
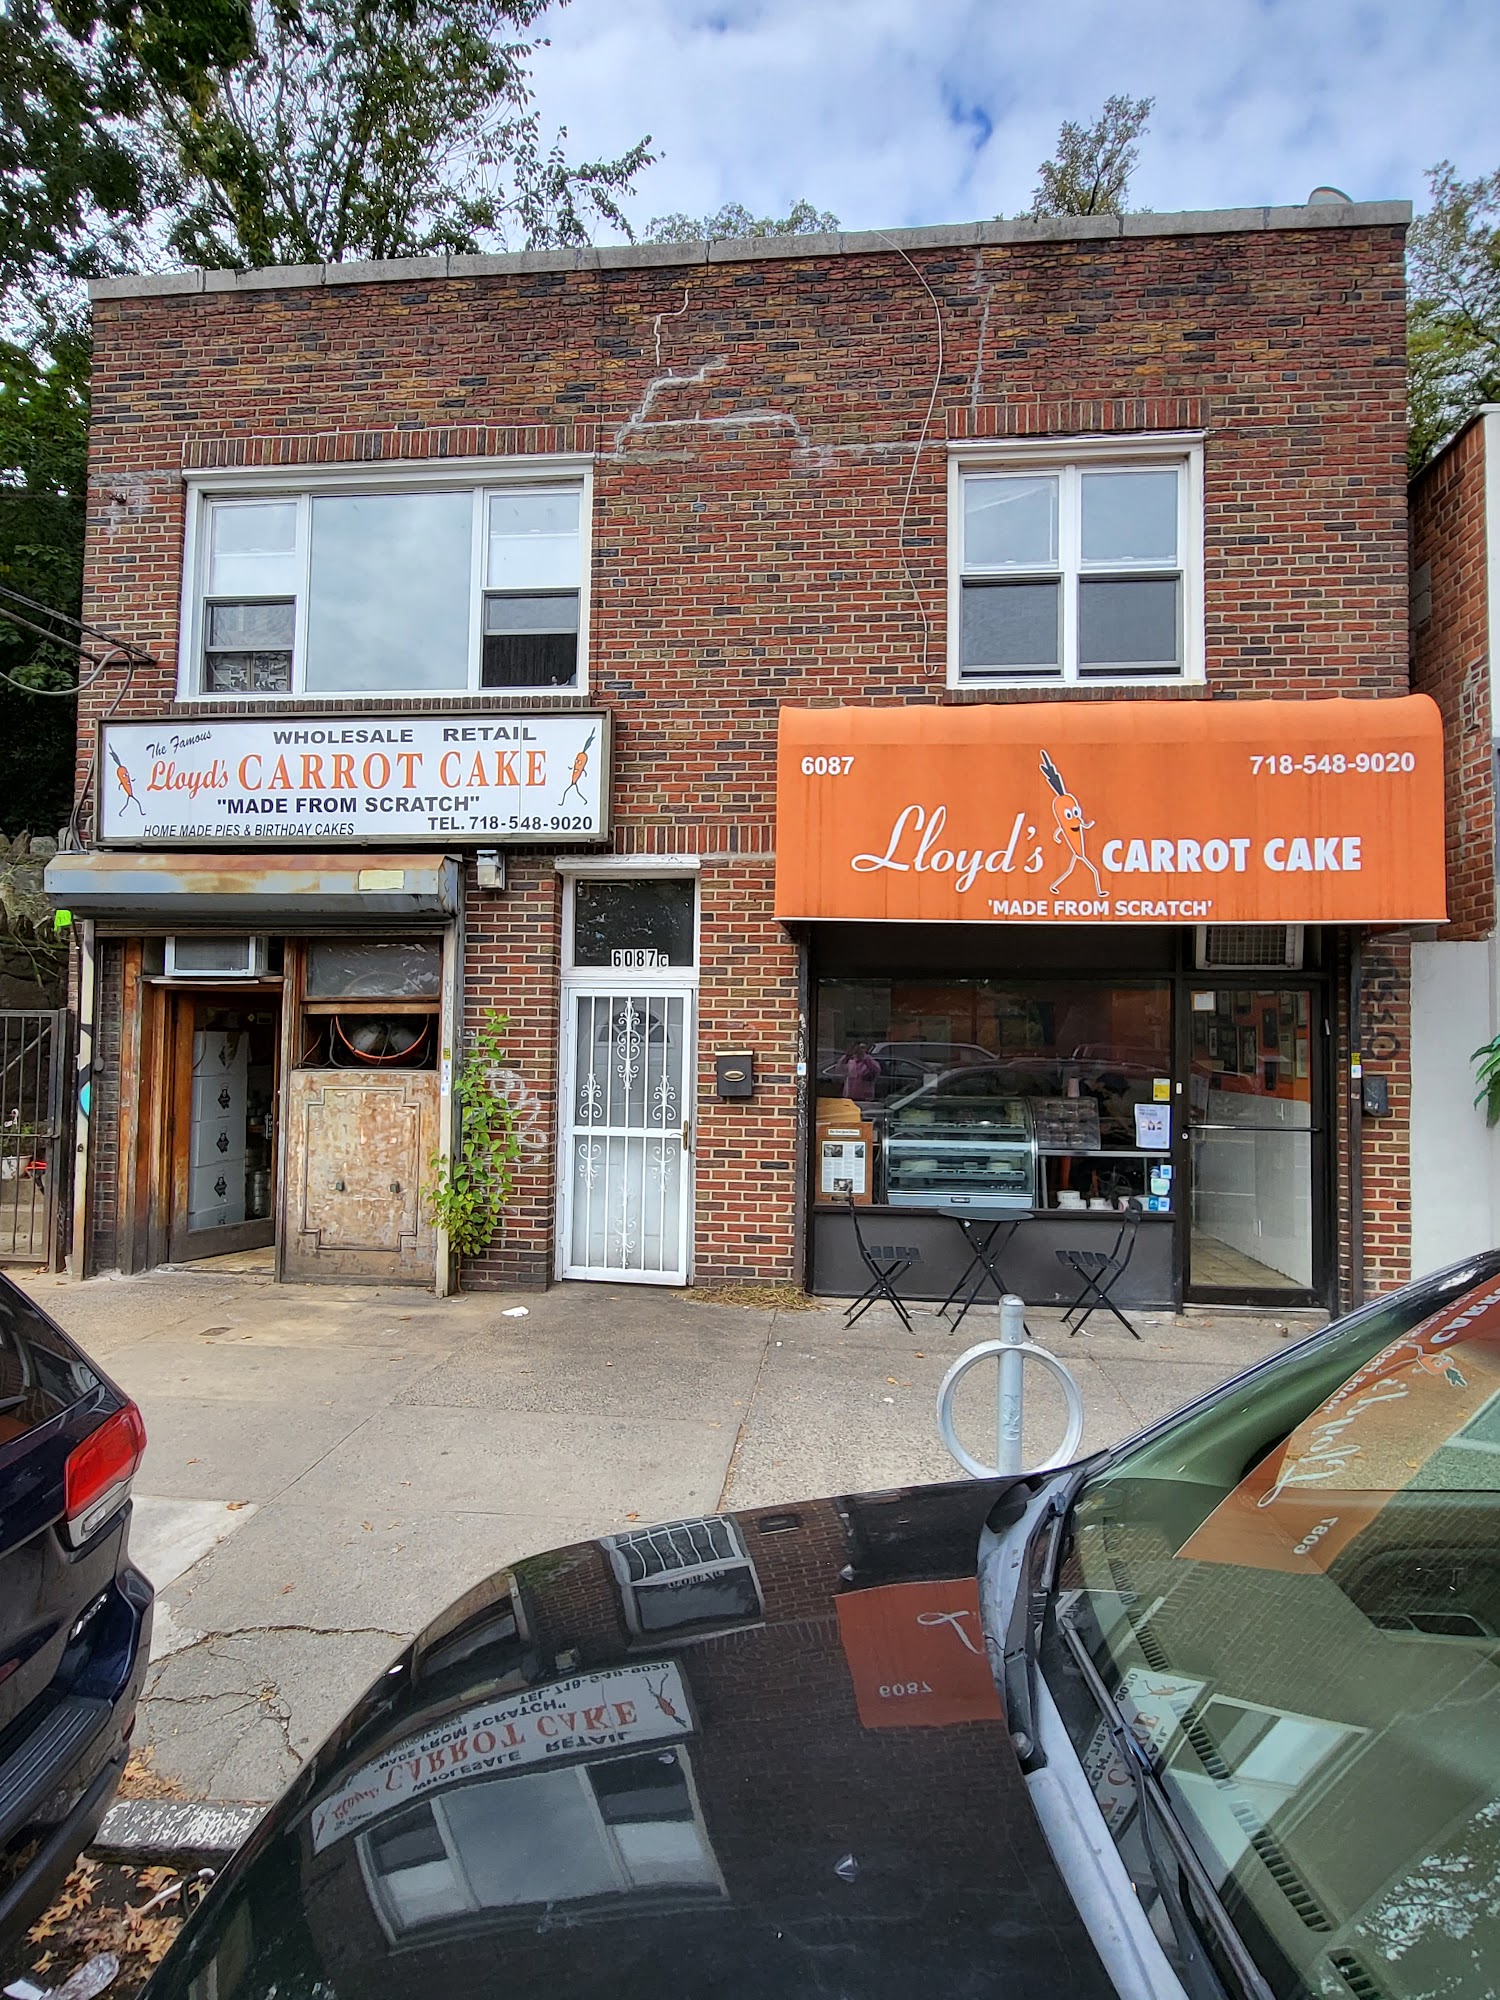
(898, 112)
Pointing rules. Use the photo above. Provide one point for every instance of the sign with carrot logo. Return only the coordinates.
(555, 1722)
(487, 779)
(1222, 812)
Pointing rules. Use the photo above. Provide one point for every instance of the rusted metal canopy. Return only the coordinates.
(281, 891)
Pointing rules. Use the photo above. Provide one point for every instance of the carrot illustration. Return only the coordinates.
(122, 779)
(659, 1694)
(580, 765)
(1071, 826)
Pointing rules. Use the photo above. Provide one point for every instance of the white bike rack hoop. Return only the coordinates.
(1011, 1352)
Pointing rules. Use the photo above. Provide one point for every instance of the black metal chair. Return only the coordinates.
(884, 1271)
(1101, 1271)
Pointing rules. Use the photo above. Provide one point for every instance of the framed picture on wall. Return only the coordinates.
(1284, 1053)
(1288, 1009)
(1247, 1052)
(1242, 1001)
(1270, 1030)
(1213, 1040)
(1300, 1066)
(1301, 1010)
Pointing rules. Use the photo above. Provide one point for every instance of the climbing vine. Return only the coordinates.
(1486, 1061)
(468, 1195)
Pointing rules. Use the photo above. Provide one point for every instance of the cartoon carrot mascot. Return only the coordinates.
(580, 765)
(1071, 826)
(122, 779)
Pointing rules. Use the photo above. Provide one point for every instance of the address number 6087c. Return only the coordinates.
(827, 767)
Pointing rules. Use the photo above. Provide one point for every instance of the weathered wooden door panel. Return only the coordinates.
(357, 1149)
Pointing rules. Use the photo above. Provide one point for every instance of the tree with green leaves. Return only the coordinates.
(735, 221)
(1453, 314)
(1090, 172)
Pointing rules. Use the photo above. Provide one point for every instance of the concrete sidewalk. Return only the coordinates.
(328, 1468)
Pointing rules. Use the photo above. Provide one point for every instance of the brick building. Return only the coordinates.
(917, 719)
(1455, 1004)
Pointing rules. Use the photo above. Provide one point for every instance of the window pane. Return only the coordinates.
(249, 673)
(1128, 622)
(1130, 517)
(401, 969)
(530, 641)
(1010, 521)
(389, 593)
(555, 612)
(1009, 626)
(252, 548)
(242, 625)
(633, 916)
(533, 540)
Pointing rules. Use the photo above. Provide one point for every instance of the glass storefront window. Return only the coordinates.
(1089, 1057)
(375, 969)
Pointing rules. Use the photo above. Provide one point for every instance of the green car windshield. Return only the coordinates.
(1293, 1595)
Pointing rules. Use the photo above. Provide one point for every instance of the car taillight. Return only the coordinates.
(99, 1472)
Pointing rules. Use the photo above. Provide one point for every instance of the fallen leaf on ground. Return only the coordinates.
(234, 1506)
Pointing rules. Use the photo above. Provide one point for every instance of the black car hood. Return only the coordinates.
(758, 1755)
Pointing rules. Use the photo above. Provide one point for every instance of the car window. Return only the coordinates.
(1294, 1595)
(41, 1373)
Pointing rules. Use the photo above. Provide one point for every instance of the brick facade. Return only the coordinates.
(769, 439)
(1450, 660)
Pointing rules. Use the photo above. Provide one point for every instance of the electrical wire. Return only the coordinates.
(921, 444)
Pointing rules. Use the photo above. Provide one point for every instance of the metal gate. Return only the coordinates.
(33, 1051)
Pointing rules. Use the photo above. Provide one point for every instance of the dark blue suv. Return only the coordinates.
(75, 1617)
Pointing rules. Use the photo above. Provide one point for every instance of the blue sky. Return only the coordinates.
(900, 112)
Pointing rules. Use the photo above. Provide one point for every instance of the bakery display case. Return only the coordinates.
(959, 1143)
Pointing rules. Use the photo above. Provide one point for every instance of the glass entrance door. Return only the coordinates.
(1255, 1144)
(223, 1140)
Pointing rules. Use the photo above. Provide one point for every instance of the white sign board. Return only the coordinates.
(616, 1709)
(395, 780)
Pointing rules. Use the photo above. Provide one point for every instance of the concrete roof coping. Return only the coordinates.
(738, 250)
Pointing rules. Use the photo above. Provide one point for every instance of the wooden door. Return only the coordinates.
(357, 1153)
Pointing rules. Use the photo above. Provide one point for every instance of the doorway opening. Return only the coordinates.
(225, 1079)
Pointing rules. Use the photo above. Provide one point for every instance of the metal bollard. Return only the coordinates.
(1011, 1352)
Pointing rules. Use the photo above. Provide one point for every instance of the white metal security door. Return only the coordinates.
(627, 1167)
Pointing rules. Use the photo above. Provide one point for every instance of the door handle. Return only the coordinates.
(687, 1135)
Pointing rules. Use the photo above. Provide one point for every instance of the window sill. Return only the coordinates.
(309, 703)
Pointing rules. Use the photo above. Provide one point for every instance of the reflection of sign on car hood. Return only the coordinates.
(1371, 1438)
(615, 1709)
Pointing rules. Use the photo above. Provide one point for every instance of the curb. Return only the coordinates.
(153, 1829)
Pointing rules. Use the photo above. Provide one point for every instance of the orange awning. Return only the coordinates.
(1132, 812)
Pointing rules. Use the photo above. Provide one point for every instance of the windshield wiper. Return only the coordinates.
(1154, 1809)
(1012, 1600)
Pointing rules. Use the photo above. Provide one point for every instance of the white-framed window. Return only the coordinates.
(1076, 561)
(410, 582)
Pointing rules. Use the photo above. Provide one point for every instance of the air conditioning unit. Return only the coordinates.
(1249, 948)
(216, 957)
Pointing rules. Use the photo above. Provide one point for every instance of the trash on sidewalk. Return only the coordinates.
(515, 1312)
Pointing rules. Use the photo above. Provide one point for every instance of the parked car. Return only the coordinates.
(75, 1616)
(1249, 1742)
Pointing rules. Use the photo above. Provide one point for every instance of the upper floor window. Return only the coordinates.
(1077, 563)
(391, 589)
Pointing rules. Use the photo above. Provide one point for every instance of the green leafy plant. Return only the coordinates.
(467, 1195)
(1486, 1061)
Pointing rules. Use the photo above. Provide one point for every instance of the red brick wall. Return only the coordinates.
(770, 527)
(1450, 648)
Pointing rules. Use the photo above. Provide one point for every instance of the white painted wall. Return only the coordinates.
(1455, 1155)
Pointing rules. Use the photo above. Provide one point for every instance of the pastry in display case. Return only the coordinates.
(961, 1142)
